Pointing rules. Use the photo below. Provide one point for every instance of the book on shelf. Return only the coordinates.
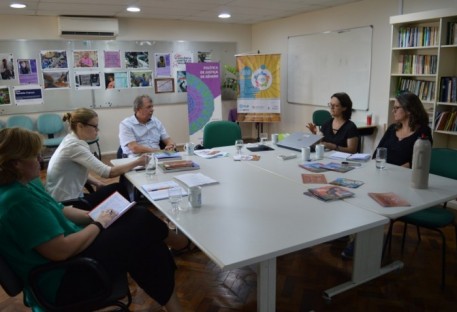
(116, 202)
(164, 155)
(159, 190)
(348, 156)
(330, 192)
(347, 182)
(313, 167)
(178, 165)
(210, 153)
(333, 166)
(313, 178)
(195, 179)
(389, 199)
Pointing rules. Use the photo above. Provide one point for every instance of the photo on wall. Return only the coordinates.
(116, 80)
(6, 66)
(5, 98)
(56, 79)
(141, 79)
(112, 59)
(136, 59)
(53, 59)
(87, 80)
(85, 59)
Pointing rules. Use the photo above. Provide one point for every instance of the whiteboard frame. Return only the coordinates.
(320, 64)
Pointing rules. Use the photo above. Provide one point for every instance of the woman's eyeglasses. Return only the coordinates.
(93, 126)
(333, 105)
(395, 108)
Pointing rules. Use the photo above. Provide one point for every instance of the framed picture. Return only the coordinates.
(164, 85)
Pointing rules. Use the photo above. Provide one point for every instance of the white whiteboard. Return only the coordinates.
(325, 63)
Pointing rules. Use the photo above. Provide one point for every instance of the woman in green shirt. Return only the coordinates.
(35, 229)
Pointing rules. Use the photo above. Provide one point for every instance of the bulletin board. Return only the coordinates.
(325, 63)
(59, 70)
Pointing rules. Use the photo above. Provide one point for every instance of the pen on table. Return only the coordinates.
(140, 169)
(160, 188)
(351, 164)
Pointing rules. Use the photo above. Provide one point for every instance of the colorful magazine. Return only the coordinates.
(313, 167)
(389, 199)
(347, 182)
(330, 192)
(337, 167)
(317, 178)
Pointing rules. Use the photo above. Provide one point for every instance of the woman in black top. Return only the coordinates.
(411, 123)
(340, 133)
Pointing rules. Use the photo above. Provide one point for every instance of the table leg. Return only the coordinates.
(367, 261)
(266, 286)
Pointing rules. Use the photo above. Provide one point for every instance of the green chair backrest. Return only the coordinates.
(49, 124)
(221, 133)
(20, 121)
(320, 117)
(443, 162)
(2, 124)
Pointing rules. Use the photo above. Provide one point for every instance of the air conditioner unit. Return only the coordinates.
(88, 27)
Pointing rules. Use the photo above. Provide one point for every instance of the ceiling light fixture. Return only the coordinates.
(133, 9)
(224, 15)
(17, 5)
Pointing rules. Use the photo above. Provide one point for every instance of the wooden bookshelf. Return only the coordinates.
(424, 61)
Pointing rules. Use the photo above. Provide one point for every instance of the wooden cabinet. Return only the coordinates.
(424, 61)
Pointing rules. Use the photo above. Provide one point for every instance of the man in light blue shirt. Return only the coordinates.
(142, 132)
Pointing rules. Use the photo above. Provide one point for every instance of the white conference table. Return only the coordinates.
(392, 179)
(251, 217)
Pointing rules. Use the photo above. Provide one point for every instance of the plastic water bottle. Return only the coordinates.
(421, 163)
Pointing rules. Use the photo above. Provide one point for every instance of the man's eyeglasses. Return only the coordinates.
(93, 126)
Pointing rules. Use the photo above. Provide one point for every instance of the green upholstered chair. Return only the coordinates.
(221, 133)
(109, 293)
(21, 121)
(50, 125)
(2, 124)
(320, 117)
(437, 217)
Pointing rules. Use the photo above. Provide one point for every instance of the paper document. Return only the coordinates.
(195, 179)
(159, 190)
(116, 202)
(210, 153)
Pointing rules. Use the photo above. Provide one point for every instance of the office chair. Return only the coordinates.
(97, 154)
(320, 117)
(21, 121)
(50, 125)
(220, 133)
(436, 217)
(110, 293)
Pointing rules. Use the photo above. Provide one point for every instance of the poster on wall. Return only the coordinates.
(141, 79)
(116, 80)
(27, 71)
(203, 97)
(28, 95)
(112, 59)
(260, 87)
(163, 66)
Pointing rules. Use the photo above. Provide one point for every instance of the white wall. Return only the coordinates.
(174, 116)
(266, 37)
(272, 37)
